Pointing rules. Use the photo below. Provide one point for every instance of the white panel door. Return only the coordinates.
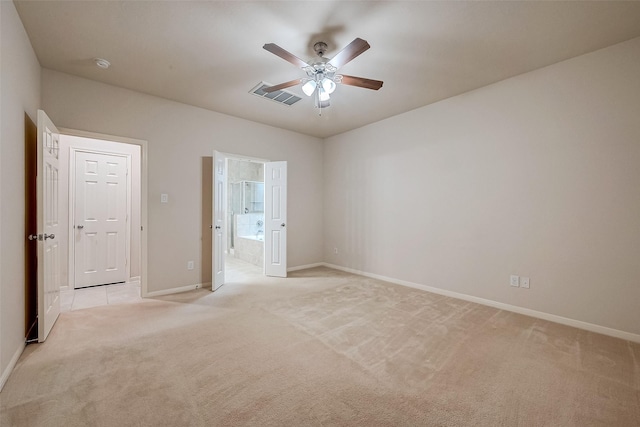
(275, 219)
(100, 219)
(219, 209)
(48, 226)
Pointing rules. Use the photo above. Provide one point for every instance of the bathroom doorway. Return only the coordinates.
(245, 211)
(257, 214)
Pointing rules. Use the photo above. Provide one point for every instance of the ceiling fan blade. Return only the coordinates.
(361, 82)
(283, 85)
(287, 56)
(352, 50)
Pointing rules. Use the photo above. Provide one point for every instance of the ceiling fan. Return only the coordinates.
(321, 72)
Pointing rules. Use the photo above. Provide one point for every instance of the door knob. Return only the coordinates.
(282, 225)
(49, 236)
(218, 227)
(80, 227)
(32, 237)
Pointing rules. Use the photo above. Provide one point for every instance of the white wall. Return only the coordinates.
(181, 140)
(66, 143)
(538, 176)
(20, 88)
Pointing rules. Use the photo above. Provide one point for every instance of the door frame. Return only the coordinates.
(144, 155)
(73, 151)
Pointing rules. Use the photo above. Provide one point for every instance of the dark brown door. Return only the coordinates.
(31, 260)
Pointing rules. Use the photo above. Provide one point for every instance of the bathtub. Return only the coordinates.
(250, 249)
(259, 237)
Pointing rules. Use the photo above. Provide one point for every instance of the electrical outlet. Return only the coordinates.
(514, 281)
(524, 282)
(335, 250)
(189, 265)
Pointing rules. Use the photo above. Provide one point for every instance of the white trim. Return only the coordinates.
(12, 364)
(103, 136)
(144, 154)
(304, 267)
(176, 290)
(243, 157)
(499, 305)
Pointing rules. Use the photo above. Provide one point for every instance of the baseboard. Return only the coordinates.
(12, 364)
(174, 290)
(134, 280)
(499, 305)
(304, 267)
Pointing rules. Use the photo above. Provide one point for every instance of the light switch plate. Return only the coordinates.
(524, 282)
(514, 281)
(164, 198)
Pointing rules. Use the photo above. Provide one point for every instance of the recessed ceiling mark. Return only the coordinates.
(102, 63)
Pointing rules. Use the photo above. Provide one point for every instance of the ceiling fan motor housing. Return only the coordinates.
(320, 68)
(320, 48)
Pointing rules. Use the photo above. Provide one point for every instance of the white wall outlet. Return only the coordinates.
(335, 250)
(524, 282)
(164, 198)
(189, 265)
(514, 281)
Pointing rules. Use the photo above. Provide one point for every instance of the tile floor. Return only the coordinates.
(78, 299)
(123, 293)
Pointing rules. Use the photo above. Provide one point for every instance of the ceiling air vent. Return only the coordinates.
(279, 96)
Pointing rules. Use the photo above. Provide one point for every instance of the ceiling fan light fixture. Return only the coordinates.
(328, 85)
(309, 87)
(323, 95)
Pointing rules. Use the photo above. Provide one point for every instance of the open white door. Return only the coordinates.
(48, 226)
(275, 219)
(219, 209)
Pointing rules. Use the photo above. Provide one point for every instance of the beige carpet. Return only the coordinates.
(319, 348)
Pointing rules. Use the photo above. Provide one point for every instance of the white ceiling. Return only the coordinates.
(209, 53)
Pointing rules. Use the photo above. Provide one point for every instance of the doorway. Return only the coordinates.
(52, 212)
(249, 208)
(101, 189)
(245, 211)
